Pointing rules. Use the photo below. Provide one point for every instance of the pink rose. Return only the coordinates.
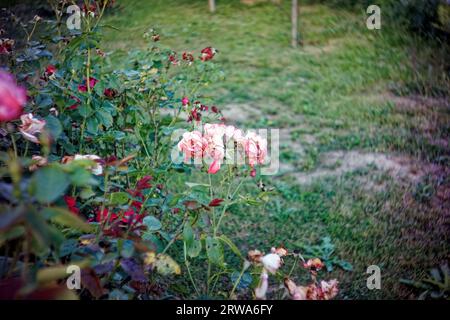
(192, 145)
(215, 148)
(12, 98)
(30, 127)
(255, 148)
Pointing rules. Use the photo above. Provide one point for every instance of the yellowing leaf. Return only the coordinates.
(165, 265)
(149, 258)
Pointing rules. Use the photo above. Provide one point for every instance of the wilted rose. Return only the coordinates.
(30, 127)
(271, 262)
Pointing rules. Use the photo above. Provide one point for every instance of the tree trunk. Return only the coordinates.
(212, 5)
(294, 19)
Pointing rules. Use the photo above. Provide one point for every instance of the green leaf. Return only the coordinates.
(188, 233)
(119, 198)
(173, 200)
(232, 246)
(84, 110)
(214, 250)
(127, 249)
(193, 246)
(347, 266)
(66, 218)
(9, 216)
(42, 232)
(156, 243)
(92, 125)
(54, 126)
(194, 249)
(67, 247)
(49, 183)
(81, 177)
(193, 184)
(152, 223)
(14, 233)
(104, 117)
(43, 100)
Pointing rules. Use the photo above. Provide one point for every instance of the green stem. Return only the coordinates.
(88, 75)
(226, 206)
(237, 281)
(208, 278)
(25, 153)
(211, 193)
(293, 266)
(186, 262)
(104, 223)
(14, 144)
(172, 241)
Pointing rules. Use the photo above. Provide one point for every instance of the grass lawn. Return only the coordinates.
(365, 129)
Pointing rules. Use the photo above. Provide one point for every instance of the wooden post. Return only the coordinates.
(212, 5)
(294, 20)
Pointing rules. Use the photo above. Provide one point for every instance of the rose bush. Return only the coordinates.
(87, 176)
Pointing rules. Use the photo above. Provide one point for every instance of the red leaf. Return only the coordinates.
(215, 202)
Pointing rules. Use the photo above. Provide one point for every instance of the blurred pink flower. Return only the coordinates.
(30, 127)
(12, 98)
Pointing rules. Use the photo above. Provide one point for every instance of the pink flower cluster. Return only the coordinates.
(213, 143)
